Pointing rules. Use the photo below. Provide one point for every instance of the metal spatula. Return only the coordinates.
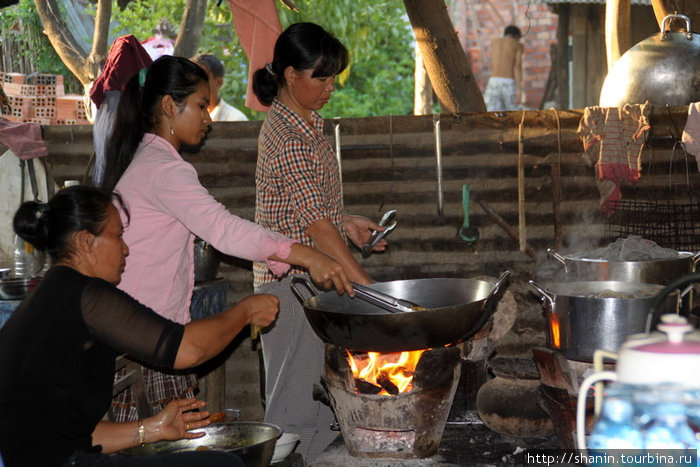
(389, 303)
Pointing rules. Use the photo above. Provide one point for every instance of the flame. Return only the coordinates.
(397, 367)
(554, 330)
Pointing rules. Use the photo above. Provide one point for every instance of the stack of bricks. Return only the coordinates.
(42, 99)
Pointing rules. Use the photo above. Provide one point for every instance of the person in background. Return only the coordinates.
(219, 109)
(162, 109)
(298, 194)
(504, 89)
(58, 349)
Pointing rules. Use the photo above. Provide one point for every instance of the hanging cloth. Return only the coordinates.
(126, 58)
(23, 138)
(613, 139)
(691, 132)
(257, 25)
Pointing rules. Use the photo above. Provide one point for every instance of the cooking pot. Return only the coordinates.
(206, 261)
(654, 271)
(583, 317)
(662, 69)
(253, 442)
(456, 310)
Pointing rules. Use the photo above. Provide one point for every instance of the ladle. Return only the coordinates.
(382, 300)
(466, 233)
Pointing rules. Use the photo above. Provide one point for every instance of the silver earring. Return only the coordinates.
(172, 132)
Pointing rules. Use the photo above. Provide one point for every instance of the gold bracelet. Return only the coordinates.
(142, 433)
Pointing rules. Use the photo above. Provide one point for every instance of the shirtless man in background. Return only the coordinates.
(504, 88)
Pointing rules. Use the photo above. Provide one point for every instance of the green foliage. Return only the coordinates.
(22, 34)
(377, 33)
(380, 40)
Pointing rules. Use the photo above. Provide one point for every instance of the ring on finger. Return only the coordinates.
(187, 426)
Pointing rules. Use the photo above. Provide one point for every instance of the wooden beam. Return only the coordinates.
(617, 29)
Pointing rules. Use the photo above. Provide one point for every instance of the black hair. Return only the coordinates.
(138, 111)
(512, 31)
(50, 227)
(211, 62)
(304, 46)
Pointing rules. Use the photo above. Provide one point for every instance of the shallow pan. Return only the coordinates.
(251, 441)
(456, 310)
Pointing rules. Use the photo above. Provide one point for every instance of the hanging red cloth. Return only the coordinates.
(257, 25)
(126, 57)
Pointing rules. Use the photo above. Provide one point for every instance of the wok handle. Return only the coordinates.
(557, 256)
(300, 280)
(492, 300)
(696, 258)
(542, 291)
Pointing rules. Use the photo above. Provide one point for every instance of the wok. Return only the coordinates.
(457, 309)
(251, 441)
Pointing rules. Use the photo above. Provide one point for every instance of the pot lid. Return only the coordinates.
(670, 355)
(677, 339)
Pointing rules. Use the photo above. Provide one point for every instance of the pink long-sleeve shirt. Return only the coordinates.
(168, 207)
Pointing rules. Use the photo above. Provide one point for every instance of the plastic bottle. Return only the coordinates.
(669, 428)
(616, 427)
(28, 260)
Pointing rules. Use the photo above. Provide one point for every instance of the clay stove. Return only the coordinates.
(404, 425)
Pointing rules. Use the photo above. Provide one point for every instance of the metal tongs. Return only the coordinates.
(382, 300)
(387, 221)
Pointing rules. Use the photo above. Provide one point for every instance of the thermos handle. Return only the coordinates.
(581, 404)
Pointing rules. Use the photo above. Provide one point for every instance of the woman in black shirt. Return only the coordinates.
(57, 350)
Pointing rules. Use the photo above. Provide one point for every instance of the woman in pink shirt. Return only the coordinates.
(161, 109)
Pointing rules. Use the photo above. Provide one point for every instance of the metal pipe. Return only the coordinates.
(336, 131)
(438, 167)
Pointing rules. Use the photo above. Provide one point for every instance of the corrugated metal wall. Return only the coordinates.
(391, 163)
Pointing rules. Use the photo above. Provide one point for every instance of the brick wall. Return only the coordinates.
(41, 99)
(478, 22)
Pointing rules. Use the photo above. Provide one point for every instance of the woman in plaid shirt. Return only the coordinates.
(298, 194)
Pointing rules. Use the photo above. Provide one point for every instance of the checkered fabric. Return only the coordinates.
(297, 179)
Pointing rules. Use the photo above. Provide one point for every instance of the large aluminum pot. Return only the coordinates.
(583, 317)
(654, 271)
(457, 309)
(253, 442)
(662, 69)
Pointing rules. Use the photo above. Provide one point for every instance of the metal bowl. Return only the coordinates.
(206, 261)
(16, 288)
(253, 442)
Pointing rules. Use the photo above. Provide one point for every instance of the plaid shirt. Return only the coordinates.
(297, 180)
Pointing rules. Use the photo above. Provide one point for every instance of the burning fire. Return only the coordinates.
(554, 326)
(390, 372)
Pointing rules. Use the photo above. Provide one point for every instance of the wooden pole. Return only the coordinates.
(507, 228)
(617, 29)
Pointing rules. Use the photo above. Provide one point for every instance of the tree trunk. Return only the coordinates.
(617, 29)
(98, 54)
(447, 64)
(191, 28)
(660, 10)
(423, 92)
(68, 49)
